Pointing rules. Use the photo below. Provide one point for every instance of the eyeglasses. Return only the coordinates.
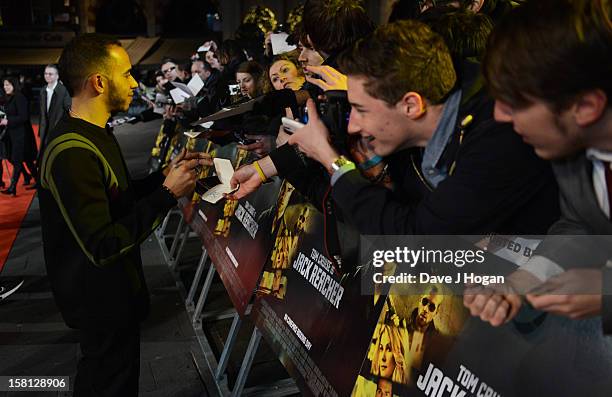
(168, 70)
(430, 305)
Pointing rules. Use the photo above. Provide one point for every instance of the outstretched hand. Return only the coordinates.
(247, 178)
(576, 293)
(330, 80)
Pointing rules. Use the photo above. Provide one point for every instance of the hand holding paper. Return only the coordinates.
(215, 188)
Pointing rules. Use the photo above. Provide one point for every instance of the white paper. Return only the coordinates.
(279, 43)
(178, 95)
(195, 84)
(213, 195)
(183, 87)
(192, 134)
(225, 171)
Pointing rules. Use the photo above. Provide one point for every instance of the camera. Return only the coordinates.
(234, 89)
(235, 93)
(335, 113)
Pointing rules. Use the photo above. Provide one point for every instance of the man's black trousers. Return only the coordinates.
(110, 362)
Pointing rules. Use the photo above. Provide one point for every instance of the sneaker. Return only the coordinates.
(9, 288)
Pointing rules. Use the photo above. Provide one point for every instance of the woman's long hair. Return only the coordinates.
(398, 349)
(14, 81)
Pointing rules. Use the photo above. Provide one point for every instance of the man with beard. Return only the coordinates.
(94, 217)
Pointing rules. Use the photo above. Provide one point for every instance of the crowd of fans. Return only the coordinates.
(443, 121)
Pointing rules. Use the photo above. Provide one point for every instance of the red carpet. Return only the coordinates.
(12, 211)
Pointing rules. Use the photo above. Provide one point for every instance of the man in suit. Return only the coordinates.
(54, 104)
(557, 92)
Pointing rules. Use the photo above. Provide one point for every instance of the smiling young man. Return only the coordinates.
(555, 89)
(454, 169)
(94, 217)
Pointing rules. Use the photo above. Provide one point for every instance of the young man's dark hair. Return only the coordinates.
(522, 61)
(404, 9)
(464, 32)
(495, 9)
(299, 34)
(333, 25)
(82, 56)
(424, 66)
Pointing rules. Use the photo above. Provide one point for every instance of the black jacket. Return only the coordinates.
(60, 105)
(94, 218)
(498, 185)
(22, 146)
